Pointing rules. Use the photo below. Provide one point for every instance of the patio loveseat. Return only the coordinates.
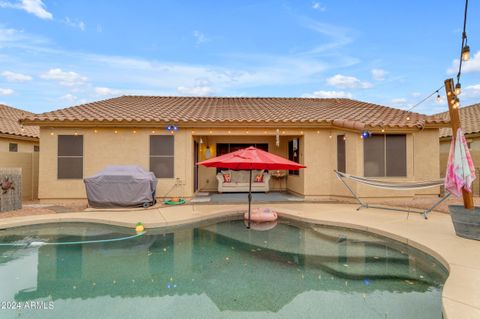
(237, 181)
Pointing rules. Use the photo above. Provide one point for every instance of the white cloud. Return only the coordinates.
(197, 90)
(318, 6)
(472, 65)
(379, 74)
(74, 23)
(106, 91)
(200, 37)
(329, 94)
(4, 91)
(68, 97)
(64, 78)
(471, 91)
(16, 77)
(400, 100)
(35, 7)
(336, 36)
(348, 82)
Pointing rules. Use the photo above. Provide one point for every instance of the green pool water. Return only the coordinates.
(215, 270)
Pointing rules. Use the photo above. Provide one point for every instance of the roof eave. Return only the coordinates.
(19, 137)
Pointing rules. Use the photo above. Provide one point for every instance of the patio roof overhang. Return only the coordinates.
(300, 124)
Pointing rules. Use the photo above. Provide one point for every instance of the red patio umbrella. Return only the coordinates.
(251, 158)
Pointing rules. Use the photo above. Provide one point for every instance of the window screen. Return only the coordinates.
(13, 147)
(70, 157)
(385, 155)
(396, 154)
(162, 155)
(341, 156)
(294, 153)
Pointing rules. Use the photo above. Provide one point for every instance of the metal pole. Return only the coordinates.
(455, 123)
(249, 198)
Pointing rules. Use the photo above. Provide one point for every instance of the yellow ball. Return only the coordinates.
(139, 228)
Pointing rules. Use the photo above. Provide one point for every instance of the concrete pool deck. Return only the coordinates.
(435, 236)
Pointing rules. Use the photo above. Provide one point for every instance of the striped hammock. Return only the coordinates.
(391, 185)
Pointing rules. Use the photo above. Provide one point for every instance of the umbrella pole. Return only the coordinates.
(249, 198)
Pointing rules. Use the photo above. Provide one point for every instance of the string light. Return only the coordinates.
(438, 98)
(95, 131)
(426, 98)
(115, 132)
(153, 131)
(465, 49)
(134, 132)
(458, 89)
(456, 104)
(466, 53)
(51, 133)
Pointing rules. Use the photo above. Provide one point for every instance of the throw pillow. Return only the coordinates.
(259, 178)
(227, 178)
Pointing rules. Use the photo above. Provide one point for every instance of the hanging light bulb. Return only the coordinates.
(458, 89)
(438, 98)
(456, 103)
(466, 53)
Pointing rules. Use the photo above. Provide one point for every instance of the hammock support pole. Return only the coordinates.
(425, 212)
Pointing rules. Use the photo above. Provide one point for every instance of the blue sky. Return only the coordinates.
(58, 53)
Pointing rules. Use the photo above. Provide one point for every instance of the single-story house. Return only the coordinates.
(470, 119)
(19, 147)
(168, 135)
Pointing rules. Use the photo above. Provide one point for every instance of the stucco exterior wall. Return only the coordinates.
(317, 151)
(26, 159)
(28, 162)
(23, 146)
(109, 148)
(474, 142)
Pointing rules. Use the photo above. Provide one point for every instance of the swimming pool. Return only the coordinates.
(214, 270)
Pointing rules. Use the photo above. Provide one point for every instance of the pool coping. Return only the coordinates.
(436, 237)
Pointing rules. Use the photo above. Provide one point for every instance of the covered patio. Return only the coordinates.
(209, 144)
(226, 198)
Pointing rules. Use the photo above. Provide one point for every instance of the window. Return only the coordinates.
(294, 153)
(70, 157)
(385, 155)
(162, 155)
(13, 147)
(341, 157)
(36, 148)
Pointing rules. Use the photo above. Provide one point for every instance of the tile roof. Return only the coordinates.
(164, 109)
(469, 117)
(9, 117)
